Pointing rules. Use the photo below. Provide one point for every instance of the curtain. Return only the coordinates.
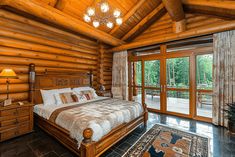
(120, 75)
(223, 75)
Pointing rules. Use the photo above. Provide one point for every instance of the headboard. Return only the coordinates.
(54, 80)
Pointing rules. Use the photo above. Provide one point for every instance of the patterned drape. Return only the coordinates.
(224, 75)
(120, 75)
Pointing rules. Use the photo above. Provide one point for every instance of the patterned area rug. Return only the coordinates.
(163, 141)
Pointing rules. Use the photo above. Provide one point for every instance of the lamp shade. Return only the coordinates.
(8, 73)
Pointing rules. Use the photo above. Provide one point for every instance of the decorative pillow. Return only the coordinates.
(48, 95)
(81, 89)
(88, 94)
(68, 97)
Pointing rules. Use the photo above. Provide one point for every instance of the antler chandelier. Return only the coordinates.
(102, 14)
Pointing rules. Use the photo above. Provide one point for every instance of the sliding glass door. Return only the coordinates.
(175, 82)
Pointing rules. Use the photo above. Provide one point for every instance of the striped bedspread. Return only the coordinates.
(101, 116)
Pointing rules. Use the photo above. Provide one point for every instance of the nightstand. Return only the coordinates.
(15, 120)
(105, 93)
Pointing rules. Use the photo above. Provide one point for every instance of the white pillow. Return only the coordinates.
(78, 90)
(48, 96)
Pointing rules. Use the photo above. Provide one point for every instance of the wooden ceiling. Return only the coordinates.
(138, 15)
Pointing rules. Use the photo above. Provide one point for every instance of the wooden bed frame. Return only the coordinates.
(88, 148)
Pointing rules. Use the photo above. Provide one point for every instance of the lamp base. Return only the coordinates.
(7, 102)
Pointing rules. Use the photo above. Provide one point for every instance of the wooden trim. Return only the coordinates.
(60, 18)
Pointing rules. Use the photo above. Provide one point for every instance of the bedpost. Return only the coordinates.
(87, 146)
(32, 75)
(91, 78)
(145, 115)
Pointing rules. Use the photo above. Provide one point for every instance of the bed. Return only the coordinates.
(84, 139)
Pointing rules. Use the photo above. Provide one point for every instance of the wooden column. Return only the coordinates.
(179, 26)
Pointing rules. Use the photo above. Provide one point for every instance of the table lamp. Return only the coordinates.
(8, 74)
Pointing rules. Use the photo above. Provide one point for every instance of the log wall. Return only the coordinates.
(24, 41)
(164, 26)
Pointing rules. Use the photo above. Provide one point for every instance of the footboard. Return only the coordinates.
(88, 147)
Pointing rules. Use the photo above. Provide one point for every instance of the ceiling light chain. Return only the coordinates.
(103, 14)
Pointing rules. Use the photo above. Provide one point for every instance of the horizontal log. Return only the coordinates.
(24, 69)
(42, 48)
(45, 63)
(23, 78)
(14, 88)
(6, 51)
(43, 41)
(69, 37)
(209, 29)
(203, 23)
(16, 96)
(58, 17)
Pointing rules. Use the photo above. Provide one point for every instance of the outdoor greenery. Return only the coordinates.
(204, 71)
(178, 72)
(152, 73)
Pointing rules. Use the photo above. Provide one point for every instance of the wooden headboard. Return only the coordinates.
(55, 80)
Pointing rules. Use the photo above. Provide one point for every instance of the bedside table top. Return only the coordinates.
(15, 105)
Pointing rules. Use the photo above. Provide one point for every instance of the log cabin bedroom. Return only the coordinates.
(117, 78)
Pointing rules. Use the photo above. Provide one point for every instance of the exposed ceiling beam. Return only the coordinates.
(53, 15)
(218, 27)
(128, 15)
(145, 22)
(219, 8)
(60, 4)
(175, 10)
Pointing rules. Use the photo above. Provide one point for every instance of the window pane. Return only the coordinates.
(152, 98)
(204, 85)
(178, 101)
(204, 71)
(178, 72)
(138, 73)
(138, 97)
(152, 73)
(204, 104)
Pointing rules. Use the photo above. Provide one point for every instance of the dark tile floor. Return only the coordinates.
(39, 144)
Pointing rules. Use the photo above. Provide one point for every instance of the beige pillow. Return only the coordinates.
(69, 97)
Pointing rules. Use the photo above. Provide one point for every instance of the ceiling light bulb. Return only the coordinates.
(119, 21)
(110, 25)
(91, 11)
(87, 18)
(96, 24)
(116, 13)
(104, 7)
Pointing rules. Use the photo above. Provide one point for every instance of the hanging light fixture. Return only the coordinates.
(96, 23)
(103, 14)
(104, 7)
